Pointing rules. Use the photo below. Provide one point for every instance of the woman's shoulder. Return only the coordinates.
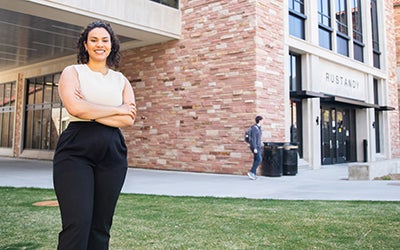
(73, 67)
(78, 67)
(117, 74)
(70, 69)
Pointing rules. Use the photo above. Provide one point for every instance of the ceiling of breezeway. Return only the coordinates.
(41, 30)
(26, 39)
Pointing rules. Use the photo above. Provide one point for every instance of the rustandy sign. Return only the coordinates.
(337, 80)
(344, 81)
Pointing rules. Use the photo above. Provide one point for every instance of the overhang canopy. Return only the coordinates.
(325, 98)
(40, 30)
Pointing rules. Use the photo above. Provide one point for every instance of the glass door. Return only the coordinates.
(336, 135)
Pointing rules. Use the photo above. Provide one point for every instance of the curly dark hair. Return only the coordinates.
(83, 57)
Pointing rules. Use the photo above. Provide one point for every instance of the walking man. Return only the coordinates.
(255, 147)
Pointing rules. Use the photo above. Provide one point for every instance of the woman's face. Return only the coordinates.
(98, 44)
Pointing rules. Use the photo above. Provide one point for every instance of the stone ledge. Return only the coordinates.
(371, 170)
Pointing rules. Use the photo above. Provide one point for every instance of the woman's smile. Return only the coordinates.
(98, 44)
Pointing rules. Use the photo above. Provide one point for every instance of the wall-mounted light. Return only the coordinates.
(317, 120)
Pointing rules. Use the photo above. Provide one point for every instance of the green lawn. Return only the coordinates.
(163, 222)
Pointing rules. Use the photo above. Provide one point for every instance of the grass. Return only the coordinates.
(163, 222)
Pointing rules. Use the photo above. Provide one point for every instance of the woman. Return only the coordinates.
(90, 161)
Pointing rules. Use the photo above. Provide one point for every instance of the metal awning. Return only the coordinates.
(386, 108)
(349, 101)
(305, 94)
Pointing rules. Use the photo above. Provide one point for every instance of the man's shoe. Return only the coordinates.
(252, 176)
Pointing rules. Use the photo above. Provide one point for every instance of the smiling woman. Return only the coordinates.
(99, 101)
(100, 35)
(98, 46)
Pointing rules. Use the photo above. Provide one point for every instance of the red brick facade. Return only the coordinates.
(394, 56)
(197, 95)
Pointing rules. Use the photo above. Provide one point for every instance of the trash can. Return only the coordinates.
(272, 160)
(289, 165)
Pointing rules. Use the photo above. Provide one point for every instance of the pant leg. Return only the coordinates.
(257, 159)
(73, 184)
(73, 179)
(110, 175)
(90, 165)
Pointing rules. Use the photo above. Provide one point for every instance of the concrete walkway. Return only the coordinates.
(327, 183)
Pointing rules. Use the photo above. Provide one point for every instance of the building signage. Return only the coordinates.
(335, 79)
(332, 78)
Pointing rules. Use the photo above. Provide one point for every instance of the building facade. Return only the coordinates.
(321, 73)
(396, 8)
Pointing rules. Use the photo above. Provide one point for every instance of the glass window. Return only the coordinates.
(341, 17)
(296, 128)
(375, 34)
(295, 72)
(45, 118)
(7, 113)
(325, 37)
(324, 12)
(324, 21)
(342, 44)
(296, 18)
(358, 45)
(377, 118)
(342, 39)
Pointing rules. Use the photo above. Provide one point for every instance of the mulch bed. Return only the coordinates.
(52, 203)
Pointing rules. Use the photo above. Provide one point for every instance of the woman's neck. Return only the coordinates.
(98, 67)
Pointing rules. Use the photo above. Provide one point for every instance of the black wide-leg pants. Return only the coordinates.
(89, 169)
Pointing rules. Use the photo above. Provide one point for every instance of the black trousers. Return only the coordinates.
(89, 169)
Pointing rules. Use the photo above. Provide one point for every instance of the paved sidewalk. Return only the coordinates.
(327, 183)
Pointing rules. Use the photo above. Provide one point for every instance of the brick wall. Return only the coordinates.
(396, 21)
(197, 95)
(396, 17)
(393, 39)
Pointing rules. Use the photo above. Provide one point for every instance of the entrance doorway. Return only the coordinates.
(338, 139)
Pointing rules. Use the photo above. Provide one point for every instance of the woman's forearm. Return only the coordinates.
(90, 111)
(118, 121)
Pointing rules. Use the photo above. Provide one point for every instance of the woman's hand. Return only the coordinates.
(128, 109)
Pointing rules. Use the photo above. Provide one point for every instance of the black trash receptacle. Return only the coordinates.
(272, 160)
(289, 164)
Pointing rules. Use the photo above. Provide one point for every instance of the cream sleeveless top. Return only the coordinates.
(98, 88)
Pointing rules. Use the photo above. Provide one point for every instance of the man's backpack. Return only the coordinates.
(247, 135)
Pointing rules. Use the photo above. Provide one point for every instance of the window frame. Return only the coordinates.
(296, 110)
(324, 24)
(42, 105)
(342, 28)
(357, 28)
(297, 16)
(7, 113)
(375, 34)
